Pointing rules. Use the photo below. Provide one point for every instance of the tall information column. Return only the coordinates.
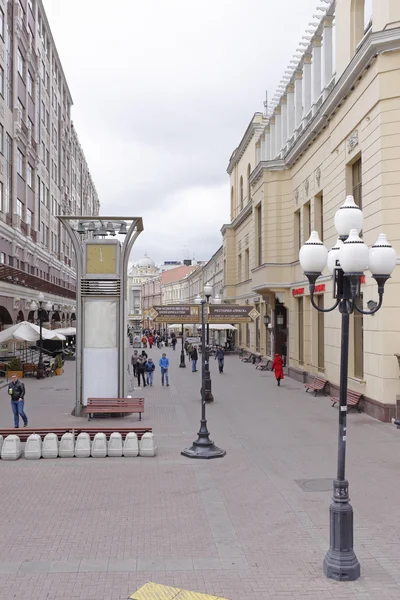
(102, 304)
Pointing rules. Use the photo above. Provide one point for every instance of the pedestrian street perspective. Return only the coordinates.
(236, 298)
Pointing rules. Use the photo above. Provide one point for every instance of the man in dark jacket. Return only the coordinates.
(16, 391)
(194, 358)
(220, 357)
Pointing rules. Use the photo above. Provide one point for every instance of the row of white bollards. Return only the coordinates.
(82, 447)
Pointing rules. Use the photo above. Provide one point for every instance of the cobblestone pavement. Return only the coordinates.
(253, 525)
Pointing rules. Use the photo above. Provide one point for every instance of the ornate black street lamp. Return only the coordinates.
(347, 261)
(39, 308)
(203, 447)
(182, 364)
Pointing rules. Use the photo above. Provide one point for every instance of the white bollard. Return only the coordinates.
(131, 446)
(99, 446)
(1, 442)
(50, 446)
(11, 448)
(147, 445)
(115, 444)
(67, 446)
(33, 447)
(82, 446)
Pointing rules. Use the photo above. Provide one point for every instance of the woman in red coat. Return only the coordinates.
(277, 367)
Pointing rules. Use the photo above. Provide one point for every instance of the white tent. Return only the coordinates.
(66, 331)
(226, 327)
(28, 332)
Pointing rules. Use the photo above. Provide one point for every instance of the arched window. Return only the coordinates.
(248, 182)
(241, 193)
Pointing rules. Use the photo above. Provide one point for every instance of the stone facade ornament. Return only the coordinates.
(352, 141)
(306, 186)
(318, 176)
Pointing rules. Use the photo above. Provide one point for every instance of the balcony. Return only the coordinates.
(18, 277)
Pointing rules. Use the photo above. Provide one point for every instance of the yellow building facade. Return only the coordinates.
(334, 131)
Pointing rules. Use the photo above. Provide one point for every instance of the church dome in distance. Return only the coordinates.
(145, 262)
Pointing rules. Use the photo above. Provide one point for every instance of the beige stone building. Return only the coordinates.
(333, 130)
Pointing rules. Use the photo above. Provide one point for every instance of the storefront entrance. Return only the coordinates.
(280, 331)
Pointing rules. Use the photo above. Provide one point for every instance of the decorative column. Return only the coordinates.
(278, 130)
(298, 91)
(328, 50)
(290, 110)
(284, 120)
(262, 152)
(267, 144)
(272, 139)
(306, 84)
(258, 152)
(317, 50)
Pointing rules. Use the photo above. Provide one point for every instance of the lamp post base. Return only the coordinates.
(40, 371)
(203, 447)
(182, 364)
(340, 562)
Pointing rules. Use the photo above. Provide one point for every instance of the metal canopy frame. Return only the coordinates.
(135, 228)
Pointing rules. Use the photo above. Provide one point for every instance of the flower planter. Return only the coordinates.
(59, 371)
(19, 374)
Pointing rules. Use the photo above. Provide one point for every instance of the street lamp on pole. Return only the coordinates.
(182, 364)
(203, 447)
(347, 261)
(39, 308)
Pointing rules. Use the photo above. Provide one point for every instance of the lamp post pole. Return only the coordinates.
(40, 367)
(203, 447)
(347, 261)
(207, 376)
(182, 364)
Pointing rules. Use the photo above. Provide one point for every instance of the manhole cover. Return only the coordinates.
(315, 485)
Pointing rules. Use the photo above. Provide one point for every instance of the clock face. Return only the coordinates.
(101, 259)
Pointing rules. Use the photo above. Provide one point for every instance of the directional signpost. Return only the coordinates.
(175, 313)
(231, 313)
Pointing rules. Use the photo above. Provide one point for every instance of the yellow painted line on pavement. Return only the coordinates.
(155, 591)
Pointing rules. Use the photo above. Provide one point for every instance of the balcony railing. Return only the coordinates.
(18, 277)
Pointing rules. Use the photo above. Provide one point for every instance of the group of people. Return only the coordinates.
(144, 367)
(150, 338)
(193, 355)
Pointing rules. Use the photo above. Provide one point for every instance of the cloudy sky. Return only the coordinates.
(163, 91)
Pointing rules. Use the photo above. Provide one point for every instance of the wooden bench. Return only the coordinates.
(114, 406)
(353, 400)
(29, 370)
(265, 365)
(25, 432)
(317, 385)
(246, 357)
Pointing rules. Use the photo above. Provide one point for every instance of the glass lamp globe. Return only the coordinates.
(34, 306)
(313, 254)
(40, 297)
(48, 306)
(207, 289)
(217, 299)
(354, 254)
(197, 300)
(349, 216)
(333, 256)
(382, 257)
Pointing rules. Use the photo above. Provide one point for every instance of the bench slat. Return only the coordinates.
(317, 385)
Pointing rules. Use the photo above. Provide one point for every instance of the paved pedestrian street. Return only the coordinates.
(250, 526)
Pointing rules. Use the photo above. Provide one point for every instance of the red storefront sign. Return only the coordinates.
(298, 292)
(362, 279)
(320, 288)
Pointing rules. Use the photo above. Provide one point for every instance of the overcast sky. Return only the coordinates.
(163, 91)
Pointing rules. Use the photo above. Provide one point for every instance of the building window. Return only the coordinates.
(29, 219)
(30, 4)
(246, 264)
(2, 81)
(259, 235)
(319, 216)
(29, 175)
(20, 63)
(297, 233)
(29, 83)
(20, 208)
(239, 268)
(357, 183)
(20, 163)
(2, 23)
(2, 258)
(321, 332)
(241, 193)
(300, 330)
(247, 335)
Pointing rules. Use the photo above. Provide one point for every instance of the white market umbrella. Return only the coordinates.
(65, 331)
(27, 332)
(223, 327)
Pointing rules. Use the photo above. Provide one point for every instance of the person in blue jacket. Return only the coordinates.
(164, 364)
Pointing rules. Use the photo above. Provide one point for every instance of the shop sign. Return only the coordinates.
(231, 313)
(298, 292)
(320, 288)
(362, 279)
(175, 313)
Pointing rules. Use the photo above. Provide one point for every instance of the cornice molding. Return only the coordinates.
(248, 209)
(245, 141)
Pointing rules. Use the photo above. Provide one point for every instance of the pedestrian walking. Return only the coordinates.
(149, 368)
(144, 341)
(277, 367)
(220, 356)
(174, 340)
(141, 369)
(134, 359)
(151, 341)
(194, 357)
(164, 364)
(190, 349)
(16, 389)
